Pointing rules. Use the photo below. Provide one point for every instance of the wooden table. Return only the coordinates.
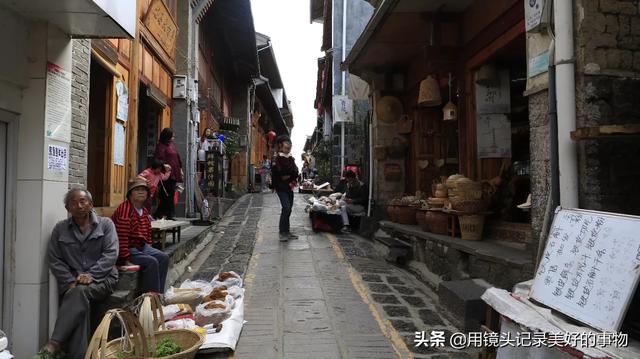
(159, 229)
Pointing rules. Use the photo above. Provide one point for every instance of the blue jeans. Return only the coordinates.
(154, 264)
(286, 200)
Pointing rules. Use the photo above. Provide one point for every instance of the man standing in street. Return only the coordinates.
(82, 255)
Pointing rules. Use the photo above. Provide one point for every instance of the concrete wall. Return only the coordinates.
(607, 87)
(81, 61)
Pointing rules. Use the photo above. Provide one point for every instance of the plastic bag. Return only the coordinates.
(212, 313)
(235, 292)
(182, 296)
(184, 323)
(173, 310)
(229, 279)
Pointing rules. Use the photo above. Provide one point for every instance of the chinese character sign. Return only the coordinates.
(589, 267)
(342, 109)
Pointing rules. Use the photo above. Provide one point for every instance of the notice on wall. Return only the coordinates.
(590, 267)
(58, 103)
(494, 136)
(118, 144)
(122, 110)
(57, 158)
(495, 98)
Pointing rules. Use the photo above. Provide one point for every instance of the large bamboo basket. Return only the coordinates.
(188, 340)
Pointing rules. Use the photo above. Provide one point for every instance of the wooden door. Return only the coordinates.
(118, 130)
(100, 135)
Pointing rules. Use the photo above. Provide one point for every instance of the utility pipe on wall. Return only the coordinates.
(566, 102)
(344, 79)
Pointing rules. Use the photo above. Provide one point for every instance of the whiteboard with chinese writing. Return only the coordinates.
(590, 267)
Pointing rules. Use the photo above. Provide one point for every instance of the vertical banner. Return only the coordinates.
(342, 109)
(122, 111)
(118, 144)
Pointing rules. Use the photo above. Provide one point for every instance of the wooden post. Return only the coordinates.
(134, 89)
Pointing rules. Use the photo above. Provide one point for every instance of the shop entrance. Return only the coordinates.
(100, 123)
(149, 115)
(3, 203)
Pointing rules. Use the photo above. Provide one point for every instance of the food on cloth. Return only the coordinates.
(225, 275)
(183, 323)
(216, 294)
(218, 328)
(173, 310)
(212, 313)
(227, 278)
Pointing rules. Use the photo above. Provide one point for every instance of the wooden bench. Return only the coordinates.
(159, 229)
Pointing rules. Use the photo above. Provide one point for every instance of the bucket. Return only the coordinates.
(471, 227)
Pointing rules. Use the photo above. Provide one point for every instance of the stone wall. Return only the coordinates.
(355, 143)
(607, 87)
(540, 170)
(81, 62)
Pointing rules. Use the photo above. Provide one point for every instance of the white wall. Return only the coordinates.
(39, 193)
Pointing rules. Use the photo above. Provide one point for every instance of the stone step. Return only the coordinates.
(461, 299)
(392, 249)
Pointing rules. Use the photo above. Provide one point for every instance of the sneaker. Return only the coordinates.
(284, 237)
(345, 230)
(292, 236)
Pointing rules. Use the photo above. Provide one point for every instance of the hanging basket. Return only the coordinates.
(149, 311)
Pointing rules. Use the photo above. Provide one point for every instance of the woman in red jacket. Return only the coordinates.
(166, 153)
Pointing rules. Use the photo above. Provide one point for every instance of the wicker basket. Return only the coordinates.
(391, 211)
(469, 205)
(471, 227)
(406, 214)
(422, 220)
(437, 222)
(135, 343)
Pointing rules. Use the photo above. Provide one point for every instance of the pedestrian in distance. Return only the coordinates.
(265, 170)
(133, 224)
(284, 173)
(155, 174)
(167, 153)
(82, 252)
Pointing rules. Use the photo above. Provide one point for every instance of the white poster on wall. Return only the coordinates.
(494, 136)
(122, 112)
(58, 103)
(118, 145)
(57, 158)
(495, 98)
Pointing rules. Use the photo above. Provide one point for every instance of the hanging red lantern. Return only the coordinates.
(271, 136)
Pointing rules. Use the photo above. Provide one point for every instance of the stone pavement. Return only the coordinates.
(320, 296)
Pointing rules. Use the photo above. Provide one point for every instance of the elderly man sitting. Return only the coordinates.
(133, 224)
(82, 253)
(354, 200)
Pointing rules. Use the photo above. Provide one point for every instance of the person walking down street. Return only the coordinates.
(133, 225)
(265, 170)
(166, 153)
(284, 173)
(354, 200)
(82, 255)
(154, 175)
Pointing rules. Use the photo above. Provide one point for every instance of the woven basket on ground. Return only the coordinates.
(421, 219)
(391, 211)
(469, 205)
(437, 222)
(471, 227)
(406, 214)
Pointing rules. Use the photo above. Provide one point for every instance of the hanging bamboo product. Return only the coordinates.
(450, 110)
(429, 93)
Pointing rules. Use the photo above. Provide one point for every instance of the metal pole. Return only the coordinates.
(344, 79)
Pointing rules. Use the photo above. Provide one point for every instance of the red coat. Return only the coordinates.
(169, 155)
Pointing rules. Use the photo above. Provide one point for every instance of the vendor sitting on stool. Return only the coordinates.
(354, 200)
(133, 225)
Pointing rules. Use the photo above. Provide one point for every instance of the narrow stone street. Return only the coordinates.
(320, 296)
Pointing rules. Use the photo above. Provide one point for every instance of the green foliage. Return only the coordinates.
(231, 142)
(322, 154)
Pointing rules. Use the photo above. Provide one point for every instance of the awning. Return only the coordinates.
(82, 18)
(263, 91)
(397, 33)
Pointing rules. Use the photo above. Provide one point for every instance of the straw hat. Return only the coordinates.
(389, 109)
(135, 183)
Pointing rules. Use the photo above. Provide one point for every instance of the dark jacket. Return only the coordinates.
(283, 166)
(358, 194)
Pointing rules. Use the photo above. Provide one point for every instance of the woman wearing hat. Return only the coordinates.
(133, 225)
(284, 173)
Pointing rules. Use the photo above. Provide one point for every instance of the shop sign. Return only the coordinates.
(161, 24)
(536, 13)
(494, 136)
(57, 158)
